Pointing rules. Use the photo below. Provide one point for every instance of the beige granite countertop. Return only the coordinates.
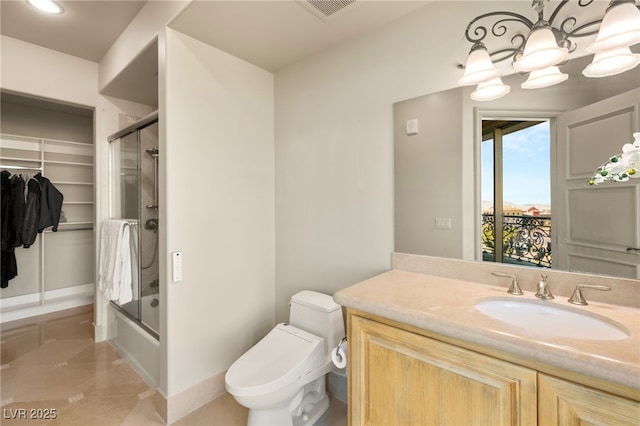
(446, 306)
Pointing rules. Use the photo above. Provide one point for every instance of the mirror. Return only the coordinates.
(437, 186)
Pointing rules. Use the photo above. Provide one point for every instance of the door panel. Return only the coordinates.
(596, 224)
(562, 403)
(401, 378)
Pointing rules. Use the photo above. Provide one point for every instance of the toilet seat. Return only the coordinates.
(279, 359)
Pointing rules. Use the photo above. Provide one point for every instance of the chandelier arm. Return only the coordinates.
(481, 31)
(499, 28)
(503, 54)
(581, 3)
(556, 10)
(576, 32)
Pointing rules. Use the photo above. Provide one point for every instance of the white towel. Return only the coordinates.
(115, 261)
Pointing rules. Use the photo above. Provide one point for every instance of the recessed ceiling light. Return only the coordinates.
(48, 6)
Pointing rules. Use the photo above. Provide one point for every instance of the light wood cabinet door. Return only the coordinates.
(400, 378)
(564, 403)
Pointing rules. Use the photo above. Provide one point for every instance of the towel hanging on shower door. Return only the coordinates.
(115, 261)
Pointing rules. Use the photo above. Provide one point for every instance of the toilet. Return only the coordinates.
(281, 380)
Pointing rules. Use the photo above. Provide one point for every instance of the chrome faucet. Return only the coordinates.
(543, 289)
(577, 299)
(515, 288)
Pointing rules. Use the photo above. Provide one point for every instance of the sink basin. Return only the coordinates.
(547, 320)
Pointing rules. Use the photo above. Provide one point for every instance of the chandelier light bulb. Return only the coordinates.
(612, 62)
(540, 51)
(620, 27)
(479, 67)
(544, 78)
(490, 90)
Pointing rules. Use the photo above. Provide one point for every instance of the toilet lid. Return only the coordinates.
(280, 358)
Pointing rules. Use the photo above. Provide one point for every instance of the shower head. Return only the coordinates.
(152, 151)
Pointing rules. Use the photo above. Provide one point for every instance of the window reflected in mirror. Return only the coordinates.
(516, 192)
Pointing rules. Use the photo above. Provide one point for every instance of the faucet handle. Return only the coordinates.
(515, 288)
(544, 292)
(577, 299)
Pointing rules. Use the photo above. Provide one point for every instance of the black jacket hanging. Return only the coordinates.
(50, 204)
(6, 217)
(8, 266)
(31, 213)
(17, 192)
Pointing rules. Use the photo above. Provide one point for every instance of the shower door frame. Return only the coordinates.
(135, 128)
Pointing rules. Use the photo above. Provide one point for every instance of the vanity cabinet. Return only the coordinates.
(401, 378)
(567, 404)
(398, 376)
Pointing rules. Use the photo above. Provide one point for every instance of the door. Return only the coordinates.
(596, 224)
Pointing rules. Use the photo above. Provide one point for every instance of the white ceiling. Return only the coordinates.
(86, 29)
(275, 33)
(268, 33)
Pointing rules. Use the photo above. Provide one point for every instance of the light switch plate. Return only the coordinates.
(412, 127)
(176, 263)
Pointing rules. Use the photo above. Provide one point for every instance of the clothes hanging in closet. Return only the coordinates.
(10, 204)
(50, 204)
(18, 187)
(27, 208)
(31, 213)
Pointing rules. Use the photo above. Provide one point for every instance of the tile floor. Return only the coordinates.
(52, 373)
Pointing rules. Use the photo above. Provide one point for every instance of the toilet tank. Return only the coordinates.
(317, 313)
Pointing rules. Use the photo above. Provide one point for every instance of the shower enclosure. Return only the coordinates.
(133, 165)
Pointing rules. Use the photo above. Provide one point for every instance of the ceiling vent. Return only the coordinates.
(324, 9)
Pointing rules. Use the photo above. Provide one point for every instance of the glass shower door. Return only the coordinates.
(125, 202)
(134, 197)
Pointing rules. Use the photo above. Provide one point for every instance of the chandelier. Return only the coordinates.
(546, 44)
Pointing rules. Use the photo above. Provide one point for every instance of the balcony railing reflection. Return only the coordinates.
(526, 239)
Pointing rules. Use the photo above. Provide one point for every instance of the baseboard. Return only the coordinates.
(37, 319)
(173, 408)
(27, 306)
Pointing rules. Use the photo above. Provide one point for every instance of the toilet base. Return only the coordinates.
(311, 416)
(303, 410)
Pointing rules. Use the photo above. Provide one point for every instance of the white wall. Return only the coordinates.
(142, 30)
(45, 73)
(219, 204)
(428, 174)
(334, 145)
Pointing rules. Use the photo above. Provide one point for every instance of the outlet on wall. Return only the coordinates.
(443, 222)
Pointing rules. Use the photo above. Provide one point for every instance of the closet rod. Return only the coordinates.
(71, 229)
(20, 168)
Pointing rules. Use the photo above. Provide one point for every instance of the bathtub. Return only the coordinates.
(136, 345)
(150, 315)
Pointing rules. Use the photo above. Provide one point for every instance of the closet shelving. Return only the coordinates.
(69, 166)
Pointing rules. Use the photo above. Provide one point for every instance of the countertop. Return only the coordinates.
(446, 306)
